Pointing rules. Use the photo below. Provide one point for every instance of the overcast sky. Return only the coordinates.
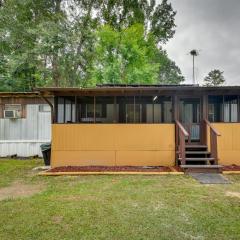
(213, 27)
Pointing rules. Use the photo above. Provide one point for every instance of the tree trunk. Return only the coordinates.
(55, 69)
(55, 72)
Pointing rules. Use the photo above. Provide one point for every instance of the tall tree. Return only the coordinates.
(52, 42)
(214, 78)
(169, 72)
(124, 56)
(129, 56)
(157, 19)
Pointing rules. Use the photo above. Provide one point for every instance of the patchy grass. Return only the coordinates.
(117, 207)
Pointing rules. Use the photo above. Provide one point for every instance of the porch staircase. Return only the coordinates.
(198, 159)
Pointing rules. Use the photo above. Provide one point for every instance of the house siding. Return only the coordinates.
(228, 143)
(24, 136)
(113, 144)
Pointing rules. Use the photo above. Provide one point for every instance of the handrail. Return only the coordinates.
(181, 135)
(211, 127)
(184, 131)
(213, 139)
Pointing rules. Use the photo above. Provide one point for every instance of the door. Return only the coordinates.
(190, 116)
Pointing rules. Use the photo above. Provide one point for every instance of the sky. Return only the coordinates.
(213, 28)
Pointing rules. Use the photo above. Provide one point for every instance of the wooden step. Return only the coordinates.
(202, 168)
(197, 152)
(197, 159)
(196, 146)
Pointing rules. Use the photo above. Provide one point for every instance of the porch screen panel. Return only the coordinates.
(125, 109)
(162, 109)
(167, 110)
(130, 114)
(120, 105)
(73, 112)
(85, 109)
(60, 114)
(143, 109)
(105, 111)
(68, 111)
(230, 108)
(65, 110)
(215, 108)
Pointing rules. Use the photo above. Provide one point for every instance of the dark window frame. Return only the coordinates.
(136, 99)
(222, 110)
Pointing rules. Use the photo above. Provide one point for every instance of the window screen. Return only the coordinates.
(215, 108)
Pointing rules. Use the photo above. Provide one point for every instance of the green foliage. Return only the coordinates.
(158, 19)
(124, 57)
(115, 207)
(169, 72)
(214, 78)
(52, 43)
(128, 56)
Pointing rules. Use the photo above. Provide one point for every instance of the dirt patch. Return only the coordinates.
(114, 169)
(18, 189)
(77, 198)
(71, 198)
(57, 219)
(233, 194)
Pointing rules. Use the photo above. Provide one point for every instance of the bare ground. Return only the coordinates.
(19, 189)
(233, 194)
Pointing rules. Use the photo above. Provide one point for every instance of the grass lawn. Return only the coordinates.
(114, 207)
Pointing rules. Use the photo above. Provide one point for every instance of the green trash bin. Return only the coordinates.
(46, 152)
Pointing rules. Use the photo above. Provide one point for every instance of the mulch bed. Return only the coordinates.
(231, 168)
(115, 169)
(129, 169)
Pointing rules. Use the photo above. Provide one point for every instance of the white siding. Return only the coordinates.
(24, 136)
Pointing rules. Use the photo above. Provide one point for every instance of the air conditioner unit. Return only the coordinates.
(12, 114)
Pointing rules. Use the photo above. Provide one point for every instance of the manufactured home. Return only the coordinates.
(25, 123)
(145, 125)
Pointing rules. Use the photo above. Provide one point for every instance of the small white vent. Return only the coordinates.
(12, 114)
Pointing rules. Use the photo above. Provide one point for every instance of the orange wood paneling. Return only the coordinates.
(83, 158)
(228, 143)
(145, 158)
(113, 144)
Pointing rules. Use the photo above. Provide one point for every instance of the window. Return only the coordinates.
(223, 108)
(230, 108)
(162, 109)
(144, 109)
(86, 109)
(13, 111)
(126, 111)
(65, 109)
(120, 109)
(60, 112)
(104, 109)
(215, 108)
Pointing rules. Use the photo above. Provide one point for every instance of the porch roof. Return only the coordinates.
(121, 89)
(20, 94)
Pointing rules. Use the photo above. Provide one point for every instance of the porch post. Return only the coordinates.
(94, 109)
(76, 112)
(175, 108)
(175, 118)
(204, 116)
